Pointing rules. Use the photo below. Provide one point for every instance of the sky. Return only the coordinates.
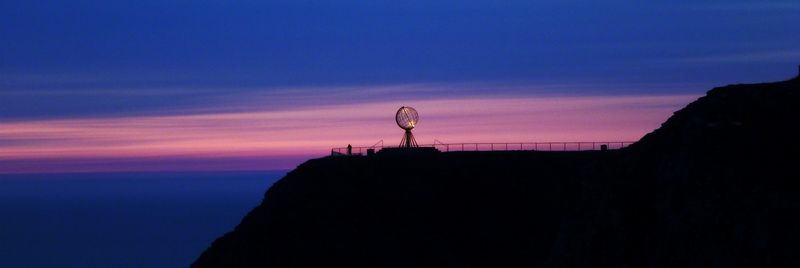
(98, 86)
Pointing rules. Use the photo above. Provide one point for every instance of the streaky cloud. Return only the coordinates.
(749, 6)
(757, 57)
(311, 131)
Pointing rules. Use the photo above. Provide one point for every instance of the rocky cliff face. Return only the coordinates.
(714, 186)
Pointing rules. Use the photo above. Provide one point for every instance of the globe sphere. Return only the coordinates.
(406, 118)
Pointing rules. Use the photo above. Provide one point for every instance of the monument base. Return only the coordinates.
(410, 151)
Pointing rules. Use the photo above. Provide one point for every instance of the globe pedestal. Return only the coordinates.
(408, 140)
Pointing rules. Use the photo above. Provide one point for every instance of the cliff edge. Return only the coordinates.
(715, 185)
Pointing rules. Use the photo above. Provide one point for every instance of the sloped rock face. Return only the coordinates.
(445, 210)
(726, 178)
(714, 186)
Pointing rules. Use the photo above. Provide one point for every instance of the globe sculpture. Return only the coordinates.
(407, 118)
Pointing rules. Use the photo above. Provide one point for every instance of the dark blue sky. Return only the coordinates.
(108, 58)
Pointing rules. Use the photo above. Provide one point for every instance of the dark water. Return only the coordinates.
(121, 219)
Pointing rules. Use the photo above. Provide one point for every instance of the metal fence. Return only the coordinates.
(508, 146)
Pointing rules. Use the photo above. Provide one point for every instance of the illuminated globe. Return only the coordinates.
(406, 118)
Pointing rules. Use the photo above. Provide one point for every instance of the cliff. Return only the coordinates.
(715, 185)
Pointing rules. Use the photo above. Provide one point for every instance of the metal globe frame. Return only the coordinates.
(407, 118)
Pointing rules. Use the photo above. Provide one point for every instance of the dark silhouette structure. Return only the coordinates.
(406, 118)
(715, 186)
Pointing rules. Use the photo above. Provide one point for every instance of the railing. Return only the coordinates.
(508, 146)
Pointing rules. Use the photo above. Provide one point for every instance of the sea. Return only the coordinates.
(142, 219)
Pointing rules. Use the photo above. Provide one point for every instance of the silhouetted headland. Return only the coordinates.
(714, 186)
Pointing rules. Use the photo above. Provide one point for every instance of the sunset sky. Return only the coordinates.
(89, 86)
